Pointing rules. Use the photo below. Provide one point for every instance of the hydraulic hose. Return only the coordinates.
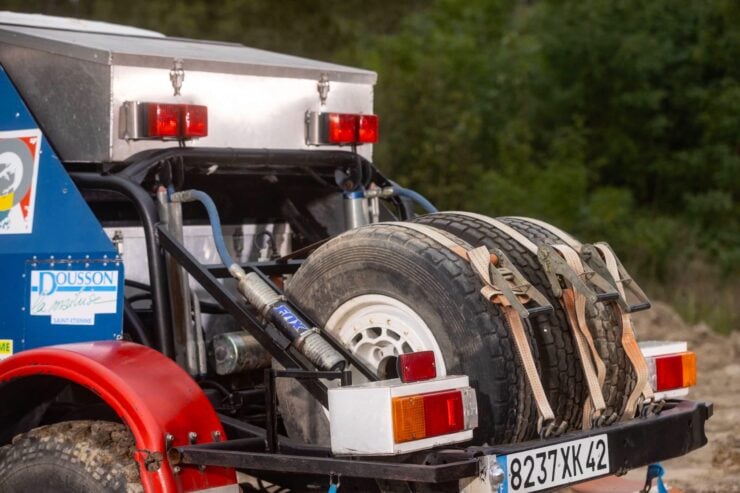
(262, 296)
(415, 196)
(218, 237)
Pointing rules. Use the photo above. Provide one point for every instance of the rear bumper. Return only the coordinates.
(675, 432)
(639, 442)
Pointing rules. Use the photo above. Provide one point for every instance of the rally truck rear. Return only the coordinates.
(210, 283)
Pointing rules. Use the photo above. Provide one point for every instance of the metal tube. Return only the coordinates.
(136, 325)
(199, 338)
(170, 214)
(279, 158)
(238, 351)
(149, 218)
(355, 209)
(305, 338)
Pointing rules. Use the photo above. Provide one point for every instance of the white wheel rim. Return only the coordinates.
(374, 326)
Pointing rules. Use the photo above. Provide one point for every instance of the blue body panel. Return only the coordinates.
(62, 280)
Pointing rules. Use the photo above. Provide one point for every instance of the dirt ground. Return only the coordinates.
(716, 466)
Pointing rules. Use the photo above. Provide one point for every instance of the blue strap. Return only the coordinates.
(656, 471)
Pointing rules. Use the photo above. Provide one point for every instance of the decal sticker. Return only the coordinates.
(291, 318)
(19, 168)
(6, 348)
(73, 297)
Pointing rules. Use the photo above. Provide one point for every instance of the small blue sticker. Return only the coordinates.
(291, 318)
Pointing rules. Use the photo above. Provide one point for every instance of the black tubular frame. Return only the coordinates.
(127, 182)
(150, 219)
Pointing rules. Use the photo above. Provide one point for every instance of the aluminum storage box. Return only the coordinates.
(75, 82)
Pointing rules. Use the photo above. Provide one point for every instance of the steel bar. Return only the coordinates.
(149, 219)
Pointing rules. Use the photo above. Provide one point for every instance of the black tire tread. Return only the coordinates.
(481, 348)
(605, 329)
(560, 369)
(101, 449)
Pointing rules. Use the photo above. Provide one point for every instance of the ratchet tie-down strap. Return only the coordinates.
(483, 262)
(642, 395)
(574, 304)
(629, 342)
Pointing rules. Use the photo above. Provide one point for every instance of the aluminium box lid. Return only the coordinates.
(111, 44)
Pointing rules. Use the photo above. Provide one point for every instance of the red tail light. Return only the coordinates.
(413, 367)
(341, 128)
(427, 415)
(164, 120)
(367, 132)
(194, 121)
(675, 371)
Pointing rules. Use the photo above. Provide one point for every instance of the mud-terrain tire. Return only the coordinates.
(392, 262)
(71, 457)
(561, 373)
(605, 329)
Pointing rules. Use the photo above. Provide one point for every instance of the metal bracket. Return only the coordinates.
(591, 257)
(322, 86)
(177, 75)
(556, 268)
(271, 439)
(514, 286)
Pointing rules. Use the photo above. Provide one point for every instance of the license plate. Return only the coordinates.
(555, 465)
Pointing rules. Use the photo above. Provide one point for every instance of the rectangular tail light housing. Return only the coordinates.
(340, 128)
(671, 367)
(427, 415)
(389, 417)
(162, 121)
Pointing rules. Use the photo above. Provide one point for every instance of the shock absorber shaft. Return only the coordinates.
(305, 338)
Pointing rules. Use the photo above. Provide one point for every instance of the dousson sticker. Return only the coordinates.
(19, 168)
(73, 297)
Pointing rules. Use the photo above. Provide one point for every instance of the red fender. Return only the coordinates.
(150, 393)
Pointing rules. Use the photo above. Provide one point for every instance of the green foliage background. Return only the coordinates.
(614, 119)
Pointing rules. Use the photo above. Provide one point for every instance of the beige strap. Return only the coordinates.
(629, 341)
(565, 237)
(514, 234)
(574, 304)
(480, 260)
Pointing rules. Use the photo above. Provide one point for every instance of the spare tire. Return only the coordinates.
(387, 289)
(603, 323)
(561, 372)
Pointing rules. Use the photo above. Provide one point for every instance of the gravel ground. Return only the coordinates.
(716, 466)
